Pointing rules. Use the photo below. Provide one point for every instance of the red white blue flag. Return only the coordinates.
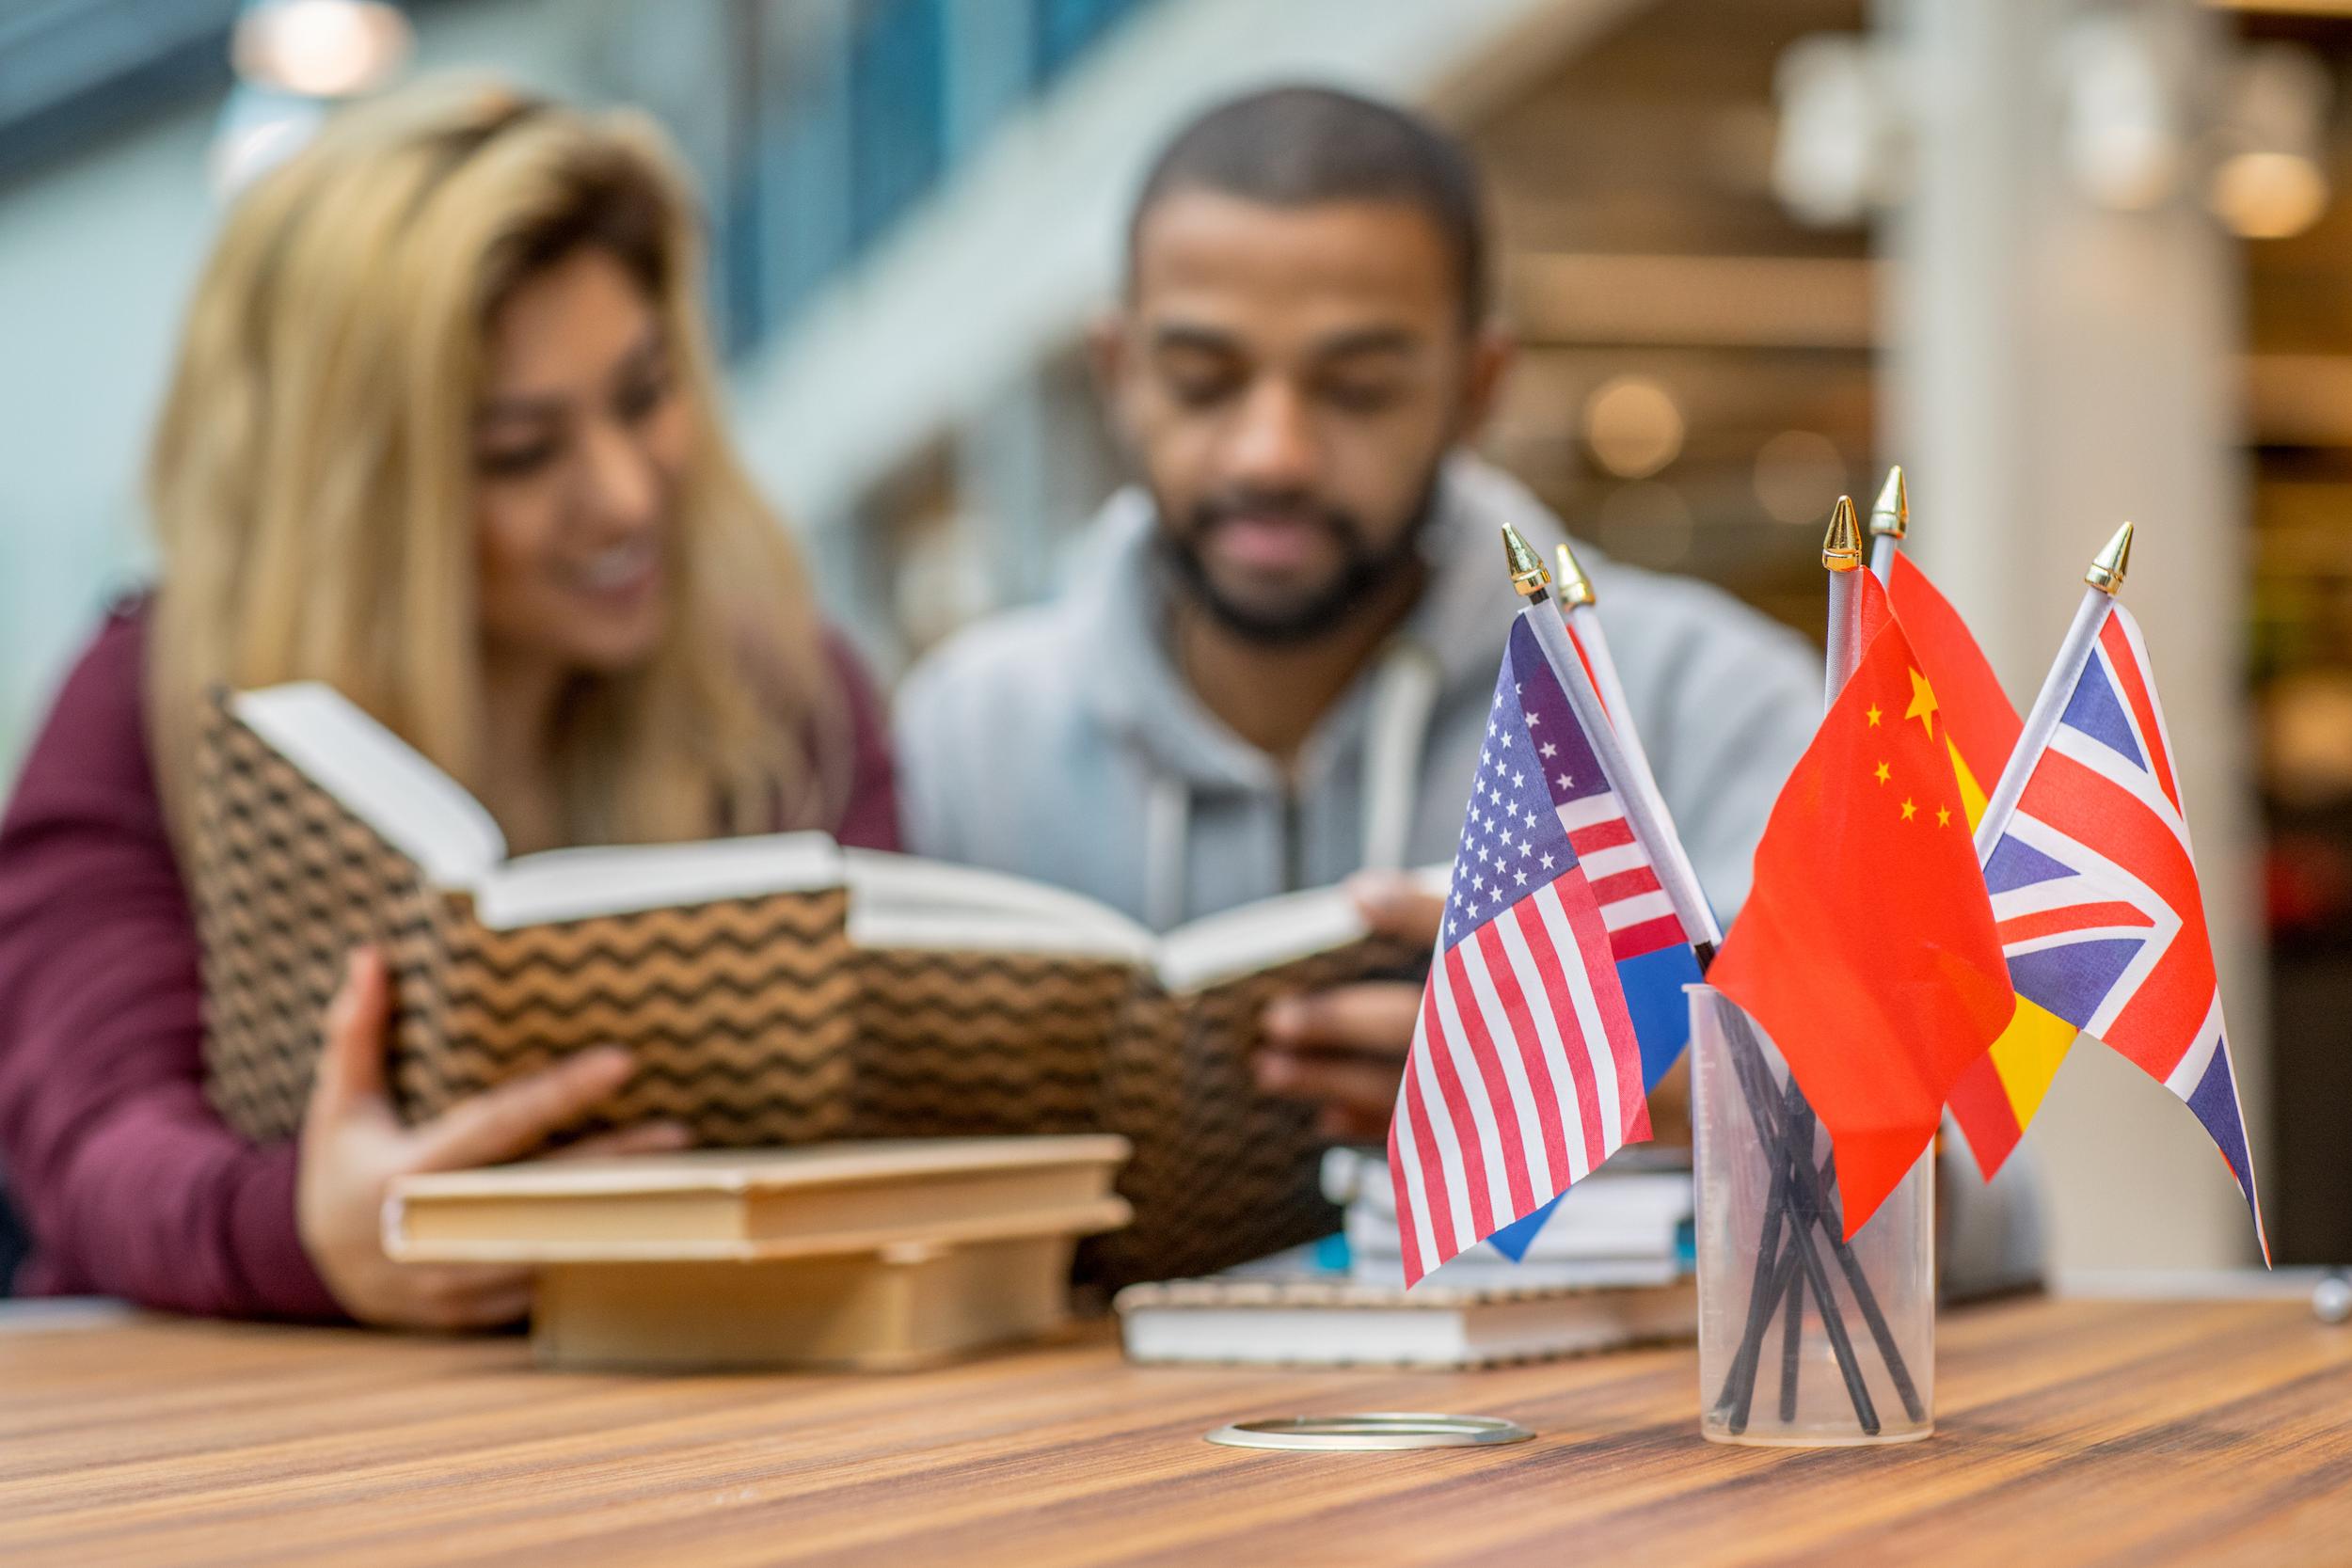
(2095, 894)
(1526, 1071)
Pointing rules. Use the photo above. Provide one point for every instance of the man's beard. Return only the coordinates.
(1365, 569)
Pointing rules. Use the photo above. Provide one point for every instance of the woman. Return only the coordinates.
(443, 432)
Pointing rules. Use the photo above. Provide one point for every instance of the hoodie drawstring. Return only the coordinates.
(1403, 699)
(1396, 733)
(1167, 826)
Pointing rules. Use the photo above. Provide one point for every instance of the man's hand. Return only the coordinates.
(353, 1145)
(1343, 1049)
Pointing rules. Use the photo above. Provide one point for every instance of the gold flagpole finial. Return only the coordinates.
(1892, 514)
(1575, 587)
(1526, 568)
(2107, 572)
(1842, 550)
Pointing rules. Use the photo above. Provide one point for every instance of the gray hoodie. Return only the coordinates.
(1061, 742)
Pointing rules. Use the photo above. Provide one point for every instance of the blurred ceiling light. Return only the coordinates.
(1647, 524)
(2122, 138)
(1633, 426)
(1798, 474)
(321, 48)
(2270, 181)
(1839, 152)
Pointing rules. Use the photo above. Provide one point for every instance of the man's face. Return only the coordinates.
(1290, 379)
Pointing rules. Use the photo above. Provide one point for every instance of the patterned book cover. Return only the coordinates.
(739, 1009)
(960, 1043)
(1221, 1172)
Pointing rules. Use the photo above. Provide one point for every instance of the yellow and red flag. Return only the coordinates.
(1999, 1093)
(1871, 836)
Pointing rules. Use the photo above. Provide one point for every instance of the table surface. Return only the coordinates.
(2070, 1432)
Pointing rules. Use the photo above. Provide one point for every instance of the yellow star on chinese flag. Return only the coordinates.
(1910, 811)
(1872, 714)
(1943, 816)
(1922, 704)
(1882, 775)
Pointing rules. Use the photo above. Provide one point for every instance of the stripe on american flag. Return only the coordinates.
(1634, 905)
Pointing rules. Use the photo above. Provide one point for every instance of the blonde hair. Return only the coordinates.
(311, 479)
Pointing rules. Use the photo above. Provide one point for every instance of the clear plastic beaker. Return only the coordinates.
(1805, 1340)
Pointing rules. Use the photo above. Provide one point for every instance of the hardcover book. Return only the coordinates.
(775, 990)
(870, 1256)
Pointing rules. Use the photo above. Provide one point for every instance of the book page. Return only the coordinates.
(577, 884)
(1264, 935)
(906, 901)
(378, 778)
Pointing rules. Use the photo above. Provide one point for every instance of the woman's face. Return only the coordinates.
(578, 446)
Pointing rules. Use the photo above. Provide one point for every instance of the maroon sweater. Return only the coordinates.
(128, 1180)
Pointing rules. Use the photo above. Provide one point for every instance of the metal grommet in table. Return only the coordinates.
(1382, 1429)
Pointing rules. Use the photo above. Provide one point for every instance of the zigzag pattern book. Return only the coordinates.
(775, 990)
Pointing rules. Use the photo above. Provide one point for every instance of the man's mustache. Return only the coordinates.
(1208, 515)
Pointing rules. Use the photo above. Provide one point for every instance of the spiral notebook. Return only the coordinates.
(776, 990)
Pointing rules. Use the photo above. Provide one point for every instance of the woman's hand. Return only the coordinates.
(354, 1145)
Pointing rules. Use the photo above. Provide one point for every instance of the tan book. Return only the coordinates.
(866, 1256)
(1287, 1311)
(775, 990)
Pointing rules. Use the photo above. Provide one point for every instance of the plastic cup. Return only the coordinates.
(1860, 1367)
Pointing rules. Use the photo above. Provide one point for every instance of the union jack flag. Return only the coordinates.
(2096, 895)
(1526, 1071)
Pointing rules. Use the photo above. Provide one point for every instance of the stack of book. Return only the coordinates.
(1609, 1269)
(866, 1257)
(1623, 1224)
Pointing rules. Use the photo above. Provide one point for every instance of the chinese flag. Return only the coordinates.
(1867, 949)
(1999, 1093)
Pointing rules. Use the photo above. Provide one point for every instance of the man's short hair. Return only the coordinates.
(1305, 146)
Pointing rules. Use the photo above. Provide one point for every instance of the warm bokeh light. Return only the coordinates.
(2268, 196)
(1634, 425)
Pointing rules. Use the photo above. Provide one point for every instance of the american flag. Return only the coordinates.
(2096, 901)
(1526, 1069)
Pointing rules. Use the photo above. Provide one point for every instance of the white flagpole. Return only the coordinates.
(1551, 635)
(1581, 601)
(1841, 557)
(1890, 520)
(2104, 577)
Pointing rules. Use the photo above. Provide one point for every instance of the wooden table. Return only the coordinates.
(2070, 1432)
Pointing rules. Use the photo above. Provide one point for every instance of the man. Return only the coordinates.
(1275, 666)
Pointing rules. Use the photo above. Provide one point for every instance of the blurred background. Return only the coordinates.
(2067, 261)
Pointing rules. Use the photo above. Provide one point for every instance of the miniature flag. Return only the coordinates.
(1997, 1096)
(1867, 949)
(2095, 891)
(1526, 1065)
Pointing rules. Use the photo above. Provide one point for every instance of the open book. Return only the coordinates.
(775, 990)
